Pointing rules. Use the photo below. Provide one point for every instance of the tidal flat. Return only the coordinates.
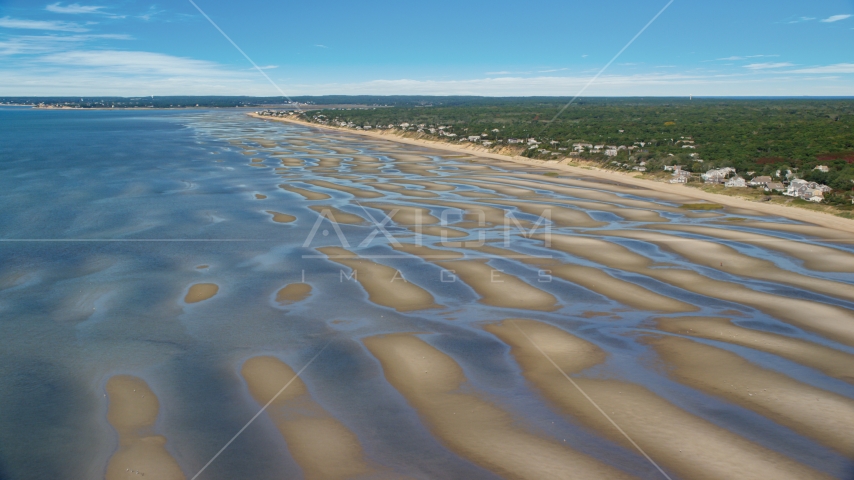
(372, 309)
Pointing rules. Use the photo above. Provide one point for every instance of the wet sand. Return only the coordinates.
(815, 257)
(356, 192)
(339, 216)
(677, 440)
(829, 361)
(427, 253)
(281, 217)
(307, 194)
(292, 293)
(821, 233)
(404, 214)
(727, 259)
(321, 445)
(621, 291)
(825, 416)
(259, 196)
(596, 280)
(133, 411)
(200, 292)
(561, 216)
(386, 286)
(409, 192)
(500, 289)
(830, 321)
(471, 427)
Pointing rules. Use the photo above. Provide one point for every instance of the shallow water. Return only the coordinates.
(106, 216)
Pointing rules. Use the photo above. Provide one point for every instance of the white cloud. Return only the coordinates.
(835, 18)
(746, 57)
(552, 70)
(767, 65)
(267, 67)
(803, 19)
(134, 63)
(74, 8)
(145, 73)
(837, 68)
(321, 46)
(8, 22)
(43, 44)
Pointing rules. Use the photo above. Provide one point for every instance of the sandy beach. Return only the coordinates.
(818, 218)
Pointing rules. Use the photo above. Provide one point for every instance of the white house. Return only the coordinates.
(735, 182)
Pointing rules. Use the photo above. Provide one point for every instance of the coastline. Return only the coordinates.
(808, 216)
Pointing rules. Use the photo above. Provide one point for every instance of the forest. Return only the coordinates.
(751, 135)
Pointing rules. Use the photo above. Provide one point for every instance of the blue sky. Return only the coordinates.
(134, 47)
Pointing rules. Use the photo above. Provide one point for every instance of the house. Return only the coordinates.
(717, 175)
(514, 140)
(673, 168)
(688, 146)
(680, 176)
(759, 181)
(774, 186)
(806, 190)
(554, 142)
(735, 182)
(611, 153)
(486, 143)
(814, 196)
(822, 168)
(474, 138)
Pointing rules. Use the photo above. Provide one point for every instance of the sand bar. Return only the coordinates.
(200, 292)
(321, 445)
(473, 428)
(279, 217)
(596, 280)
(292, 293)
(560, 216)
(833, 322)
(679, 441)
(832, 362)
(339, 216)
(815, 257)
(132, 412)
(356, 192)
(427, 253)
(627, 293)
(307, 194)
(730, 260)
(385, 285)
(821, 233)
(404, 214)
(825, 416)
(498, 288)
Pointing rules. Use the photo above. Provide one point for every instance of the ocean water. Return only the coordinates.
(105, 217)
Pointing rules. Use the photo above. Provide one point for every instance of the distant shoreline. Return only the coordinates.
(794, 213)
